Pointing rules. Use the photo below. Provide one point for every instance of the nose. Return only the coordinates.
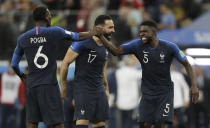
(113, 31)
(141, 34)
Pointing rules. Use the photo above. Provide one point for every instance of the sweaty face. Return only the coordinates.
(146, 34)
(48, 18)
(109, 28)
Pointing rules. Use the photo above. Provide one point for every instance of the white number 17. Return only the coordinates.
(91, 58)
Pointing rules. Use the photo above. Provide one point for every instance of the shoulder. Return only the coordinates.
(83, 42)
(80, 44)
(168, 43)
(55, 28)
(22, 36)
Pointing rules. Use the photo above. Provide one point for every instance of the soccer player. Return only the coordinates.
(90, 83)
(43, 100)
(155, 56)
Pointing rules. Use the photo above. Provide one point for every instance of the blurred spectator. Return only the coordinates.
(179, 13)
(152, 6)
(132, 16)
(146, 16)
(99, 8)
(128, 95)
(69, 107)
(123, 30)
(111, 79)
(113, 4)
(9, 89)
(192, 8)
(200, 117)
(7, 42)
(83, 16)
(54, 4)
(134, 19)
(167, 20)
(137, 4)
(181, 99)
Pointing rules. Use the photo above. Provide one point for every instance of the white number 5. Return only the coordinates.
(145, 58)
(167, 109)
(38, 55)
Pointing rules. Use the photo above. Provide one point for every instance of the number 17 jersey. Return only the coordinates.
(40, 48)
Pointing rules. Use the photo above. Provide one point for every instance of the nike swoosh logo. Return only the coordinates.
(165, 115)
(145, 51)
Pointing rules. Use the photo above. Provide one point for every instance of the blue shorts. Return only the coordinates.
(44, 104)
(156, 108)
(91, 106)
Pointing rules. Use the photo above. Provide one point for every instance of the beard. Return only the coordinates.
(107, 36)
(149, 40)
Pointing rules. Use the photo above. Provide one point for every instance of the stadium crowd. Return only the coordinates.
(79, 16)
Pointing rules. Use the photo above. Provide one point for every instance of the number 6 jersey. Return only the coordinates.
(40, 48)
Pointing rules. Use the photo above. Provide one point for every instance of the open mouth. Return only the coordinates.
(144, 39)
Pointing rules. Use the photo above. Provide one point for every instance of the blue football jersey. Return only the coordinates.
(89, 66)
(155, 64)
(40, 48)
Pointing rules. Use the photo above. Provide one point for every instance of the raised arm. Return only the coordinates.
(194, 93)
(106, 86)
(113, 49)
(95, 31)
(68, 59)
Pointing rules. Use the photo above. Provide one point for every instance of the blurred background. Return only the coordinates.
(184, 22)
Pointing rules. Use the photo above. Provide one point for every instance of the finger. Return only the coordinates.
(195, 98)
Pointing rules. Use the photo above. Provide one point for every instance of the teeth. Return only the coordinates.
(143, 38)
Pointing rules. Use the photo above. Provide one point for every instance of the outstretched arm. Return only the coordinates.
(68, 59)
(113, 49)
(95, 31)
(194, 93)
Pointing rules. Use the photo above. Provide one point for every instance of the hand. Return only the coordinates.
(194, 93)
(63, 92)
(186, 105)
(23, 78)
(97, 30)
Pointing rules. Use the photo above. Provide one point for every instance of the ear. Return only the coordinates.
(154, 31)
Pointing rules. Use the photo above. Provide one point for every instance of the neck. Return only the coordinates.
(97, 40)
(41, 24)
(154, 43)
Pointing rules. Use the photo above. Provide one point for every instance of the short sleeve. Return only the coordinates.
(129, 47)
(180, 56)
(77, 47)
(63, 34)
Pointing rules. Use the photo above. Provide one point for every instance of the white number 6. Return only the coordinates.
(39, 54)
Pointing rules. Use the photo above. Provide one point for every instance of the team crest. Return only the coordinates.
(162, 57)
(82, 112)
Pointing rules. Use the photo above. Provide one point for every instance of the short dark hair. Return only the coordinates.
(40, 13)
(101, 19)
(149, 23)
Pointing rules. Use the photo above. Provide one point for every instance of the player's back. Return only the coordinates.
(40, 45)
